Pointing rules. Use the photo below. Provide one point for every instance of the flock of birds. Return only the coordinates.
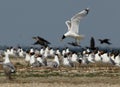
(55, 58)
(64, 57)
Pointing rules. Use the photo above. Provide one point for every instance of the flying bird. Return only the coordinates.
(74, 44)
(41, 41)
(73, 26)
(106, 41)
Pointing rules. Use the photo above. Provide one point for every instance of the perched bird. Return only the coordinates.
(56, 62)
(67, 61)
(33, 60)
(92, 44)
(8, 67)
(41, 41)
(106, 41)
(73, 26)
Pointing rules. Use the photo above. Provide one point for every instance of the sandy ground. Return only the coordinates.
(61, 82)
(58, 85)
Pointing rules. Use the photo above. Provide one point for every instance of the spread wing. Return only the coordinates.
(68, 23)
(106, 39)
(76, 19)
(42, 39)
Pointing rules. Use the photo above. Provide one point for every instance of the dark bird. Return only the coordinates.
(106, 41)
(74, 44)
(41, 41)
(92, 44)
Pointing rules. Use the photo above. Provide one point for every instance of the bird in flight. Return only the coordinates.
(73, 26)
(106, 41)
(41, 41)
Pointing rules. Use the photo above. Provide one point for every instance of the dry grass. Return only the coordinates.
(63, 82)
(57, 85)
(99, 75)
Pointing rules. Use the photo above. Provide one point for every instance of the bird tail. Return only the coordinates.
(78, 39)
(81, 37)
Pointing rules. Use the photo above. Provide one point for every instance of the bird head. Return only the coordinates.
(63, 37)
(87, 9)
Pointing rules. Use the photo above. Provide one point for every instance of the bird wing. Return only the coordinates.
(106, 39)
(68, 23)
(76, 19)
(42, 39)
(10, 65)
(37, 42)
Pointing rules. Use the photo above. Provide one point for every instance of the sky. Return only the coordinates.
(20, 20)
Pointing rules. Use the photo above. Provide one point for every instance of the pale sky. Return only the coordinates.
(20, 20)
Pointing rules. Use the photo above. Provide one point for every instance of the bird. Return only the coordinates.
(73, 26)
(74, 44)
(33, 60)
(92, 44)
(8, 67)
(106, 41)
(56, 62)
(67, 61)
(41, 41)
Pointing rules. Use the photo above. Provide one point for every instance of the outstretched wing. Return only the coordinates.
(42, 39)
(76, 19)
(68, 23)
(80, 15)
(106, 39)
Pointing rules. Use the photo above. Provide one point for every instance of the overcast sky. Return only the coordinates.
(20, 20)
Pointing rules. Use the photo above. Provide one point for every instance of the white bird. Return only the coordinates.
(67, 50)
(117, 60)
(8, 66)
(73, 26)
(41, 60)
(33, 61)
(21, 52)
(32, 58)
(63, 52)
(27, 56)
(105, 58)
(56, 62)
(52, 52)
(91, 57)
(74, 57)
(98, 57)
(42, 51)
(58, 52)
(67, 61)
